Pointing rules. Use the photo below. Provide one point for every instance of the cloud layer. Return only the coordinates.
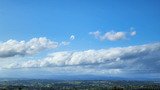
(135, 59)
(12, 48)
(118, 61)
(112, 35)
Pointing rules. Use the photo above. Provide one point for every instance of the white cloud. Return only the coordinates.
(72, 37)
(134, 59)
(96, 34)
(12, 48)
(64, 43)
(133, 33)
(111, 35)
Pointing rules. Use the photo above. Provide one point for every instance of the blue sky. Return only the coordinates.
(95, 25)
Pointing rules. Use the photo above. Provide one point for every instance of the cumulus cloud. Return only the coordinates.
(72, 37)
(111, 35)
(12, 47)
(140, 58)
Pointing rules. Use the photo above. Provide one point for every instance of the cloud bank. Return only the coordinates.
(12, 48)
(136, 59)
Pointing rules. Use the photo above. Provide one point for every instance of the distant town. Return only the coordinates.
(36, 84)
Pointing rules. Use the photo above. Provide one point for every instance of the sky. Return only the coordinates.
(62, 38)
